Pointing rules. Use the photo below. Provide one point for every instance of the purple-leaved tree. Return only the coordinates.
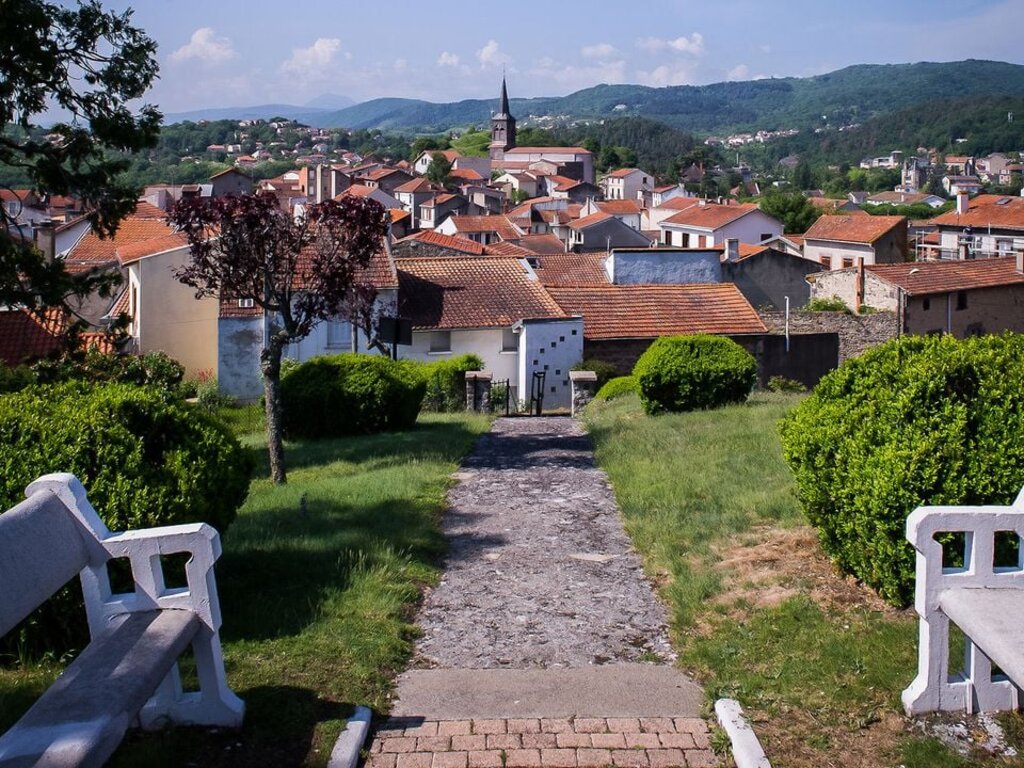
(301, 271)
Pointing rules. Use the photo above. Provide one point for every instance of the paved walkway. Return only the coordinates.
(543, 644)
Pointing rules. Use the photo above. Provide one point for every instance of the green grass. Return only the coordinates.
(316, 606)
(820, 678)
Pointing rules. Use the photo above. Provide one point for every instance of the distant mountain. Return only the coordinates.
(308, 114)
(330, 101)
(851, 95)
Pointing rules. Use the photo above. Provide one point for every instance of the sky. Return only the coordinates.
(220, 53)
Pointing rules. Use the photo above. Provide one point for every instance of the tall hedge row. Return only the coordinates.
(350, 394)
(921, 420)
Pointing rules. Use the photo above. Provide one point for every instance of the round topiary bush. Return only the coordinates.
(145, 459)
(331, 396)
(917, 421)
(621, 385)
(686, 373)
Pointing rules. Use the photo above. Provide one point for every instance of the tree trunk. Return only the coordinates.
(270, 364)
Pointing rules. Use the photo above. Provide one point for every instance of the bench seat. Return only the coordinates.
(994, 620)
(83, 716)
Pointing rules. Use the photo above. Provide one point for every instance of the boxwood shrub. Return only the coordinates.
(621, 385)
(686, 373)
(145, 459)
(922, 420)
(350, 394)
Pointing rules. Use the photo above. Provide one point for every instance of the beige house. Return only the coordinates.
(839, 241)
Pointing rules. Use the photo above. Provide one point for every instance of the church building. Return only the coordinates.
(571, 162)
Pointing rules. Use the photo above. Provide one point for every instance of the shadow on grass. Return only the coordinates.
(281, 729)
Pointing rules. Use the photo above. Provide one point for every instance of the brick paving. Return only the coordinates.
(656, 742)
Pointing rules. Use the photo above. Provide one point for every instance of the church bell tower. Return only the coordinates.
(503, 128)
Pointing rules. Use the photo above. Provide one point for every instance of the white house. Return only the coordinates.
(626, 184)
(707, 224)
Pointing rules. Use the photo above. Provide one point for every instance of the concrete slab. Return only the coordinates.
(613, 690)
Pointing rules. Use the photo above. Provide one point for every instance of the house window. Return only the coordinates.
(246, 303)
(701, 241)
(926, 304)
(440, 341)
(847, 262)
(961, 300)
(668, 237)
(686, 240)
(339, 334)
(509, 340)
(765, 236)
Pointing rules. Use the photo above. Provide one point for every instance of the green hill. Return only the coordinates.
(853, 94)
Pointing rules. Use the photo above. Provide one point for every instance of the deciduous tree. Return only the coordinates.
(301, 270)
(83, 65)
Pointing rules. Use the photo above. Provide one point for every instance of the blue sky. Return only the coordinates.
(216, 53)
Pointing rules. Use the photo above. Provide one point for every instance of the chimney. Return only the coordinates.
(963, 202)
(732, 249)
(860, 284)
(45, 238)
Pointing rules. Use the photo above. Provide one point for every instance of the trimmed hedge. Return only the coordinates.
(605, 371)
(446, 382)
(621, 385)
(917, 421)
(351, 394)
(144, 458)
(686, 373)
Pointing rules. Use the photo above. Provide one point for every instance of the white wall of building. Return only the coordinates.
(552, 346)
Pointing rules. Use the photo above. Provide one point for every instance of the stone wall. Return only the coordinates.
(856, 332)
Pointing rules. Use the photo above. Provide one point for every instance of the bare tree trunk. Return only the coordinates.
(270, 364)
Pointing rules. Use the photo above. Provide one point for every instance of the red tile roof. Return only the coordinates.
(620, 207)
(357, 190)
(986, 210)
(571, 269)
(500, 225)
(505, 248)
(853, 229)
(591, 220)
(710, 215)
(135, 237)
(542, 244)
(461, 244)
(464, 174)
(925, 277)
(621, 173)
(416, 185)
(649, 311)
(25, 338)
(547, 150)
(679, 203)
(486, 292)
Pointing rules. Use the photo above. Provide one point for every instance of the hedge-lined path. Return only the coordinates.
(543, 644)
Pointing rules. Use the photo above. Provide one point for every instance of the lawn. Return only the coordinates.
(758, 614)
(317, 584)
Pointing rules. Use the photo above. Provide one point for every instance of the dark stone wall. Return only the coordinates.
(856, 332)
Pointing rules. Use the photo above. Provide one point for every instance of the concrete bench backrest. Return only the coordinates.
(42, 547)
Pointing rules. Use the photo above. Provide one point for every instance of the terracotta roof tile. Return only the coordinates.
(500, 225)
(710, 215)
(461, 244)
(542, 244)
(135, 235)
(620, 207)
(678, 203)
(986, 210)
(853, 229)
(547, 150)
(571, 269)
(591, 220)
(416, 185)
(486, 292)
(505, 248)
(25, 338)
(622, 173)
(464, 174)
(649, 311)
(925, 277)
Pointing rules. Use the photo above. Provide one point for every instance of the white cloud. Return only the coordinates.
(693, 45)
(739, 72)
(667, 74)
(572, 77)
(447, 59)
(307, 61)
(205, 46)
(491, 55)
(599, 51)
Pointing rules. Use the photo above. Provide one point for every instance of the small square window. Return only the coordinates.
(509, 340)
(561, 338)
(573, 331)
(440, 341)
(553, 390)
(558, 372)
(545, 367)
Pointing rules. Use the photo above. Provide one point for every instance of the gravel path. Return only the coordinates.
(540, 572)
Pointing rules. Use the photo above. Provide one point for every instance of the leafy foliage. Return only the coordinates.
(440, 168)
(91, 64)
(605, 371)
(332, 396)
(922, 420)
(620, 385)
(829, 304)
(795, 211)
(446, 382)
(686, 373)
(299, 271)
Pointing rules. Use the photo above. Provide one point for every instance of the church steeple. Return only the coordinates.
(503, 127)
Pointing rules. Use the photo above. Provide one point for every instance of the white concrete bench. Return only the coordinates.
(128, 673)
(984, 600)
